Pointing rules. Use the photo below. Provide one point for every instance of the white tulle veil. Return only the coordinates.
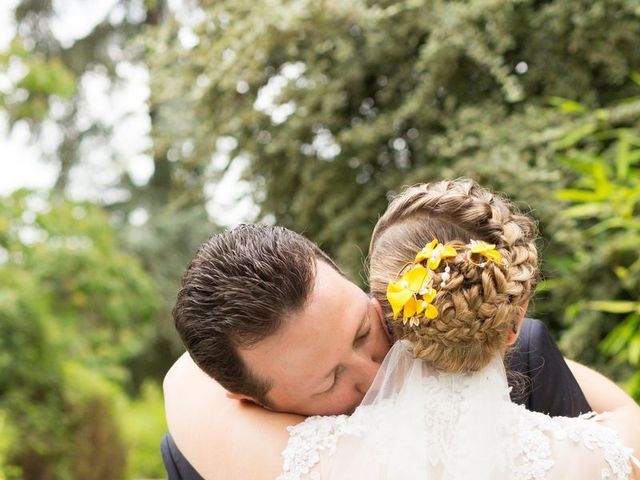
(416, 422)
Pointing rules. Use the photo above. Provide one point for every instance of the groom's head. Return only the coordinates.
(268, 315)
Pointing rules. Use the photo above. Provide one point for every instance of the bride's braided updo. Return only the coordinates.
(478, 306)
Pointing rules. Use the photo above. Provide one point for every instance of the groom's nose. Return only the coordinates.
(366, 371)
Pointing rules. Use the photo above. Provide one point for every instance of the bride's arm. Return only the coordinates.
(626, 421)
(222, 438)
(601, 393)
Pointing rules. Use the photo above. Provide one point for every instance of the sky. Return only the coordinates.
(20, 160)
(24, 163)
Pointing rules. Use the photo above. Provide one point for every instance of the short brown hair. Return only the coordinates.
(239, 289)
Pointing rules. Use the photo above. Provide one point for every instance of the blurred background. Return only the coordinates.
(132, 130)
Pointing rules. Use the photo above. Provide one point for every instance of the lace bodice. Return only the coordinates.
(418, 422)
(546, 448)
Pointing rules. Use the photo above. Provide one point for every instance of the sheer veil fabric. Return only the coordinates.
(416, 419)
(417, 422)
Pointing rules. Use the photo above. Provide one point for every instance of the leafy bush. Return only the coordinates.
(7, 438)
(74, 308)
(143, 424)
(598, 277)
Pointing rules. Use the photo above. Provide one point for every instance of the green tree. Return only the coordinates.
(72, 301)
(6, 439)
(333, 105)
(50, 85)
(164, 245)
(51, 88)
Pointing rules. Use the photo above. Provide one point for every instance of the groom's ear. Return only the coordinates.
(385, 328)
(241, 398)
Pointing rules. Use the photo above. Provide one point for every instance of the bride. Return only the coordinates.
(454, 267)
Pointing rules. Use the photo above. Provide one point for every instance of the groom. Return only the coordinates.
(268, 316)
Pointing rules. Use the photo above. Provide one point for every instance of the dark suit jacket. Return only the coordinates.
(538, 375)
(178, 468)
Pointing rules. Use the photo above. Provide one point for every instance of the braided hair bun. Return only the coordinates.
(477, 307)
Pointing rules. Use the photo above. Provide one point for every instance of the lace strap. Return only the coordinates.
(307, 441)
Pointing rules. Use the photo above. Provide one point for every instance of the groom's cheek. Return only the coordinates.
(345, 403)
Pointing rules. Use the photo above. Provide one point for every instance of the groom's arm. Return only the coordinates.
(539, 375)
(602, 394)
(544, 381)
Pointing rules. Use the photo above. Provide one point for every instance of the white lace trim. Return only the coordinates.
(306, 441)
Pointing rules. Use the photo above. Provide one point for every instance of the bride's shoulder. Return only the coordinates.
(563, 445)
(589, 429)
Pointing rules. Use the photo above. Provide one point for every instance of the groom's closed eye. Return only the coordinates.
(360, 338)
(336, 376)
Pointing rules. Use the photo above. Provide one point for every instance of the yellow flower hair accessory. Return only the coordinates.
(487, 250)
(434, 253)
(413, 293)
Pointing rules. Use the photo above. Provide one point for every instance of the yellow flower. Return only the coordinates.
(424, 305)
(434, 253)
(401, 294)
(413, 293)
(410, 309)
(487, 250)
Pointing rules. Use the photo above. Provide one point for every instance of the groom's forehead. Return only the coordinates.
(297, 352)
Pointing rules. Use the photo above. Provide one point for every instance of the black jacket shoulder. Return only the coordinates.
(539, 376)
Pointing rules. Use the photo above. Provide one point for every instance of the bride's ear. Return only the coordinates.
(513, 335)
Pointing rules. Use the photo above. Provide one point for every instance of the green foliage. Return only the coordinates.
(29, 365)
(87, 282)
(44, 79)
(143, 424)
(97, 450)
(7, 438)
(334, 105)
(54, 73)
(74, 309)
(599, 282)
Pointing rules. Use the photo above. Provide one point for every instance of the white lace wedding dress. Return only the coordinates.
(416, 422)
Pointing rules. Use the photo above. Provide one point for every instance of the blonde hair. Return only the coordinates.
(478, 307)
